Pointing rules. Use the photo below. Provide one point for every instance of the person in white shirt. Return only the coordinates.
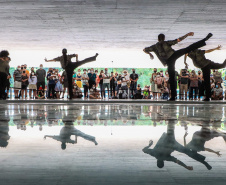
(32, 84)
(85, 83)
(125, 80)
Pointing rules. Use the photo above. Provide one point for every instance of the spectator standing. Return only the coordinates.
(125, 80)
(8, 79)
(133, 82)
(79, 79)
(41, 74)
(32, 84)
(51, 77)
(106, 81)
(101, 82)
(92, 78)
(119, 83)
(201, 86)
(166, 79)
(74, 77)
(183, 84)
(58, 87)
(193, 85)
(218, 92)
(24, 80)
(97, 78)
(112, 84)
(85, 79)
(65, 82)
(4, 67)
(152, 80)
(158, 84)
(17, 81)
(26, 70)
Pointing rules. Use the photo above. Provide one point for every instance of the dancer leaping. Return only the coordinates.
(168, 56)
(69, 66)
(200, 61)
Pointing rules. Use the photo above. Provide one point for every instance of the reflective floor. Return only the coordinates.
(105, 144)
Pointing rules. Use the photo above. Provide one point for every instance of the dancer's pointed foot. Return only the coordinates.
(95, 142)
(208, 36)
(96, 54)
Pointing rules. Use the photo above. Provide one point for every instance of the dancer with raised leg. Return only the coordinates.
(69, 66)
(167, 144)
(200, 61)
(168, 56)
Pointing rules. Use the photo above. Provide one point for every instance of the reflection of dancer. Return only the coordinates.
(168, 56)
(65, 61)
(65, 136)
(166, 145)
(199, 139)
(200, 61)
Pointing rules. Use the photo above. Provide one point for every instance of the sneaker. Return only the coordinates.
(206, 99)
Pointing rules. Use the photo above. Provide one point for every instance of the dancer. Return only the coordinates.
(168, 144)
(4, 72)
(199, 138)
(168, 56)
(65, 136)
(69, 66)
(200, 61)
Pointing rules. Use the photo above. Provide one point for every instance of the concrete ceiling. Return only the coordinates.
(113, 25)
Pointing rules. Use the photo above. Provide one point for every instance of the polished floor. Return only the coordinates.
(59, 143)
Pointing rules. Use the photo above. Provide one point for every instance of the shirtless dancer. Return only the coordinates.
(69, 66)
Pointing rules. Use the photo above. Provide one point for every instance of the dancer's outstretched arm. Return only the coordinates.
(145, 149)
(185, 36)
(217, 48)
(149, 53)
(50, 60)
(210, 150)
(58, 58)
(47, 136)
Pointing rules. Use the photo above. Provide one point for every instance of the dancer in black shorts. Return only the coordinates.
(168, 56)
(69, 66)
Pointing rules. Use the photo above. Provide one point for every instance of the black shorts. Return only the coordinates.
(24, 87)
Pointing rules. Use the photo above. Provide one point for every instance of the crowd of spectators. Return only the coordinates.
(94, 84)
